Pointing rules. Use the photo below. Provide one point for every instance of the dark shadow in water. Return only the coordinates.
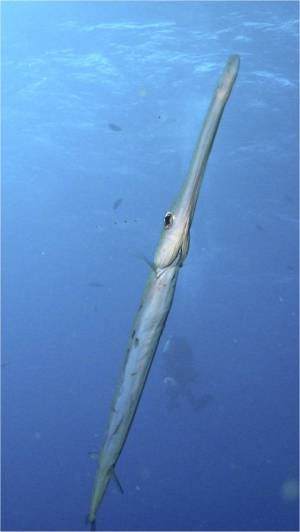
(181, 377)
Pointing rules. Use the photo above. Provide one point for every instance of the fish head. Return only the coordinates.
(174, 242)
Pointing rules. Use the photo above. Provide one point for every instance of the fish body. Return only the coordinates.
(148, 326)
(158, 295)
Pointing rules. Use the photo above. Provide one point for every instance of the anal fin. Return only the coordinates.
(117, 481)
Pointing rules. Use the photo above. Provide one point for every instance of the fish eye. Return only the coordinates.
(168, 220)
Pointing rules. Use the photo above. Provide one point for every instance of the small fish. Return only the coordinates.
(114, 127)
(117, 203)
(95, 284)
(290, 267)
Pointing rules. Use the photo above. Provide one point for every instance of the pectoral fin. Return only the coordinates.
(147, 261)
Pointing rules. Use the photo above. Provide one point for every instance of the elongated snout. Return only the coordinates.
(229, 75)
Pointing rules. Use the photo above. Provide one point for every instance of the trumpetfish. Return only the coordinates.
(158, 294)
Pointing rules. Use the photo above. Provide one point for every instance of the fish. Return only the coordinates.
(114, 127)
(158, 295)
(95, 284)
(117, 203)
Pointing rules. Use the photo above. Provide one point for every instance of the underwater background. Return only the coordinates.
(102, 104)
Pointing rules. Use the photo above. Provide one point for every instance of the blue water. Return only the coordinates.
(102, 104)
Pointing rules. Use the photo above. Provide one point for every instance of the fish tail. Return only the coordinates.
(91, 521)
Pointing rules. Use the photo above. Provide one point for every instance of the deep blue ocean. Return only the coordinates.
(102, 104)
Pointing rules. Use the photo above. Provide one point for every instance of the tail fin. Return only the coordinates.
(91, 522)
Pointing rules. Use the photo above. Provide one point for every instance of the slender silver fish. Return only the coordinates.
(158, 295)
